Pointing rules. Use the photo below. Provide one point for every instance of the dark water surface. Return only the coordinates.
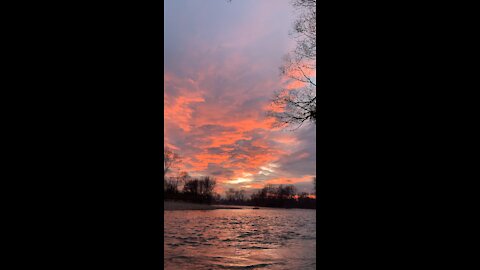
(266, 238)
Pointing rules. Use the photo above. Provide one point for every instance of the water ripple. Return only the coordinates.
(240, 239)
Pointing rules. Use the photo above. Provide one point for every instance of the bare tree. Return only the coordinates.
(171, 186)
(240, 195)
(235, 196)
(170, 158)
(293, 107)
(209, 184)
(183, 177)
(200, 189)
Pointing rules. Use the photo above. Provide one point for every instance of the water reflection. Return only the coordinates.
(240, 239)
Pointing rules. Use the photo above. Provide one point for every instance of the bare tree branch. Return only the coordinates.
(170, 158)
(298, 106)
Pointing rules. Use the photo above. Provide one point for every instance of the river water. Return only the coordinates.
(265, 238)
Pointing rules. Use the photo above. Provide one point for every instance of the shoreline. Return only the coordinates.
(178, 205)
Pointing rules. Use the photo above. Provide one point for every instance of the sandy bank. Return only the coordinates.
(171, 205)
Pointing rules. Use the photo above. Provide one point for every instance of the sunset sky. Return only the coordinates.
(221, 68)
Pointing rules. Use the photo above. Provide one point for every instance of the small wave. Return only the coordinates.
(255, 247)
(245, 235)
(179, 257)
(253, 266)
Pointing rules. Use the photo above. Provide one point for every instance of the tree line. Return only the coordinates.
(201, 190)
(284, 196)
(183, 187)
(198, 189)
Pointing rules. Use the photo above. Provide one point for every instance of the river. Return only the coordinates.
(265, 238)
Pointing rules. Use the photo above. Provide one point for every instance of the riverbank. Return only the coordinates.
(175, 205)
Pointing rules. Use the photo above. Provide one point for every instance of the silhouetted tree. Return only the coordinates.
(171, 185)
(183, 177)
(304, 201)
(199, 190)
(208, 184)
(230, 194)
(282, 196)
(169, 159)
(216, 198)
(191, 187)
(294, 107)
(234, 196)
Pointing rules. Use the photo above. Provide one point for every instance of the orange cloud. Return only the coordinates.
(179, 112)
(289, 180)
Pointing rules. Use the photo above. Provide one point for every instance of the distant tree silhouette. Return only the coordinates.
(234, 196)
(216, 197)
(297, 106)
(183, 177)
(199, 189)
(171, 188)
(169, 159)
(281, 196)
(304, 201)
